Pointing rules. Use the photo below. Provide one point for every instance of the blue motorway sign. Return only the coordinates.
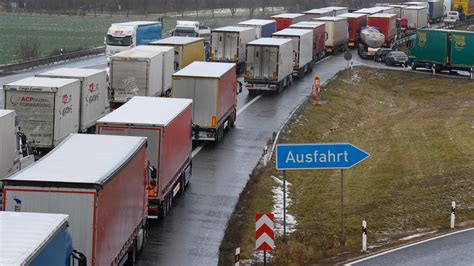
(318, 156)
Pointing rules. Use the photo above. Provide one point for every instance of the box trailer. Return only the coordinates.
(8, 148)
(269, 64)
(435, 10)
(168, 64)
(416, 16)
(135, 72)
(94, 102)
(356, 23)
(213, 89)
(397, 9)
(386, 24)
(228, 45)
(100, 182)
(337, 10)
(317, 13)
(302, 49)
(337, 30)
(263, 27)
(36, 239)
(319, 36)
(368, 11)
(186, 49)
(284, 20)
(48, 109)
(166, 122)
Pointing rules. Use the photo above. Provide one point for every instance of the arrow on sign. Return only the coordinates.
(264, 235)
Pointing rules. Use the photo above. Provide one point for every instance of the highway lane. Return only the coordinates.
(192, 233)
(452, 249)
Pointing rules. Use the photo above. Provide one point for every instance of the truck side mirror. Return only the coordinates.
(152, 171)
(79, 257)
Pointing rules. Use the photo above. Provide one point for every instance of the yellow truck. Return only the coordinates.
(464, 6)
(186, 49)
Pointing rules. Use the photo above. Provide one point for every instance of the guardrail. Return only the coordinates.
(17, 66)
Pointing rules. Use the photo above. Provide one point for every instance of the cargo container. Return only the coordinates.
(302, 49)
(464, 6)
(336, 10)
(263, 27)
(417, 16)
(269, 64)
(317, 13)
(186, 49)
(442, 50)
(47, 108)
(337, 30)
(168, 64)
(386, 24)
(284, 20)
(100, 182)
(166, 122)
(135, 72)
(94, 102)
(356, 22)
(213, 89)
(398, 9)
(435, 10)
(319, 36)
(228, 45)
(35, 239)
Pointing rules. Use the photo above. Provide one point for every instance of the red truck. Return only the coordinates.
(284, 20)
(319, 36)
(100, 182)
(356, 22)
(386, 24)
(166, 122)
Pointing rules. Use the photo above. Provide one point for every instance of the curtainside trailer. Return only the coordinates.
(337, 30)
(100, 182)
(269, 64)
(386, 24)
(263, 27)
(356, 22)
(186, 49)
(302, 49)
(284, 20)
(94, 102)
(319, 36)
(166, 122)
(213, 89)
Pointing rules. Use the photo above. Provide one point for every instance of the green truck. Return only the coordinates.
(441, 49)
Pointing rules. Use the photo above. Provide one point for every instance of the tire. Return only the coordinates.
(131, 254)
(387, 62)
(413, 66)
(220, 134)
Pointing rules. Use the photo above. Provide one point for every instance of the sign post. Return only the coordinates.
(264, 235)
(318, 156)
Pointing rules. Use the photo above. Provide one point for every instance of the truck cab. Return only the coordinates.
(452, 17)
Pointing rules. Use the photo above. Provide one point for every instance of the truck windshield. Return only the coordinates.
(119, 41)
(185, 32)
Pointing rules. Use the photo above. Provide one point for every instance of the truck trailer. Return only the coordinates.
(213, 89)
(336, 10)
(263, 27)
(94, 102)
(48, 109)
(319, 36)
(417, 16)
(435, 10)
(100, 182)
(228, 45)
(302, 49)
(186, 49)
(317, 13)
(166, 122)
(337, 30)
(386, 24)
(356, 23)
(284, 20)
(269, 64)
(36, 239)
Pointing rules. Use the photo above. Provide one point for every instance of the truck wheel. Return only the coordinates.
(413, 65)
(220, 134)
(131, 254)
(234, 117)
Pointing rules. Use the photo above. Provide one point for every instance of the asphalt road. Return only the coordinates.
(453, 249)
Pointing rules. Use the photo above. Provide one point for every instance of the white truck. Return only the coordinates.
(228, 45)
(337, 30)
(269, 64)
(185, 28)
(135, 72)
(302, 49)
(48, 109)
(94, 102)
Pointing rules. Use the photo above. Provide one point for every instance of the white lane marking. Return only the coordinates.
(248, 104)
(407, 246)
(197, 150)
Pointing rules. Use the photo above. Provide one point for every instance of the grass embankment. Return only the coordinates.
(419, 130)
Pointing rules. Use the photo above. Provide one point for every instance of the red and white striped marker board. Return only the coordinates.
(264, 235)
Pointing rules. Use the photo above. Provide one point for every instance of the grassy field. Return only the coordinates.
(56, 32)
(419, 130)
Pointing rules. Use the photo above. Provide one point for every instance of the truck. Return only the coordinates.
(186, 50)
(369, 11)
(93, 101)
(336, 10)
(386, 24)
(435, 10)
(263, 27)
(319, 36)
(185, 28)
(100, 182)
(135, 72)
(370, 41)
(228, 45)
(441, 49)
(284, 20)
(337, 30)
(451, 17)
(37, 239)
(166, 122)
(302, 49)
(269, 64)
(126, 35)
(417, 16)
(398, 9)
(48, 109)
(356, 22)
(317, 13)
(465, 7)
(213, 89)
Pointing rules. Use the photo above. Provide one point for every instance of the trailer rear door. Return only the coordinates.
(129, 78)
